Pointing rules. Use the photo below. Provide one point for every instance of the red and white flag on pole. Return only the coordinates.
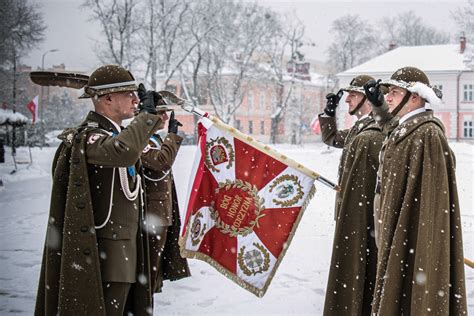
(244, 205)
(33, 107)
(315, 125)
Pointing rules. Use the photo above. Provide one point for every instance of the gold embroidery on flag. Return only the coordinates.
(288, 189)
(219, 151)
(197, 229)
(238, 208)
(254, 261)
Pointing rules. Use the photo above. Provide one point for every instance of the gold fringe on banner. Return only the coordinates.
(259, 292)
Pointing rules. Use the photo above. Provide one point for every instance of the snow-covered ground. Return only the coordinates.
(298, 287)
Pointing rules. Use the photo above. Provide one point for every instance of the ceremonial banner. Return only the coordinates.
(33, 107)
(244, 205)
(315, 125)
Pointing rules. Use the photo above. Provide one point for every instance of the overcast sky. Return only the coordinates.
(71, 31)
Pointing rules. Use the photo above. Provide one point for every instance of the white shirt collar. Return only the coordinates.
(405, 117)
(363, 117)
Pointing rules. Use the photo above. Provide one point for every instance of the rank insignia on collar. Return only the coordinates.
(402, 131)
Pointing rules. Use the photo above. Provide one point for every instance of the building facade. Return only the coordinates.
(449, 67)
(254, 115)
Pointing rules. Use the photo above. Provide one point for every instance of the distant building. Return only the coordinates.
(254, 115)
(449, 67)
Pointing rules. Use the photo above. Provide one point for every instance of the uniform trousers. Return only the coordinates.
(115, 297)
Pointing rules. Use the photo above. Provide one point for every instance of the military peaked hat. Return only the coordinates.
(415, 81)
(109, 79)
(357, 84)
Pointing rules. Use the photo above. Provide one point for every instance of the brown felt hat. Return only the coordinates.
(357, 84)
(109, 79)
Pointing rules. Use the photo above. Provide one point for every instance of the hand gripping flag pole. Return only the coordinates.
(189, 107)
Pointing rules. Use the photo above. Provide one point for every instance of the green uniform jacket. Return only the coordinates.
(420, 263)
(76, 255)
(162, 204)
(354, 256)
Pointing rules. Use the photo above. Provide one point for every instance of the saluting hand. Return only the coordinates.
(332, 103)
(373, 93)
(173, 124)
(147, 103)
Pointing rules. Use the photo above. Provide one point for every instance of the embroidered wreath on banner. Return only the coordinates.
(252, 191)
(196, 230)
(254, 261)
(284, 190)
(213, 144)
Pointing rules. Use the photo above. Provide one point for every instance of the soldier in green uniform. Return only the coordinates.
(96, 260)
(354, 256)
(162, 202)
(420, 266)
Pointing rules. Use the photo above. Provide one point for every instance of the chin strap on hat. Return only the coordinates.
(402, 103)
(358, 106)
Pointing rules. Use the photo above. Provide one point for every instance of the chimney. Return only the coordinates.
(462, 43)
(391, 46)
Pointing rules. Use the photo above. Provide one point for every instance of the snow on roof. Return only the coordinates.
(8, 117)
(427, 58)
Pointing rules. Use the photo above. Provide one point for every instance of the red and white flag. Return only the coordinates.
(33, 107)
(244, 205)
(315, 125)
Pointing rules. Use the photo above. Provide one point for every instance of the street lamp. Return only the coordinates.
(40, 105)
(46, 52)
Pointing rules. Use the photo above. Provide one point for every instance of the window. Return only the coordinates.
(237, 124)
(468, 129)
(262, 100)
(250, 100)
(262, 127)
(250, 127)
(468, 92)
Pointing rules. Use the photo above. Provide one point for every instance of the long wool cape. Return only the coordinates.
(70, 280)
(354, 255)
(420, 262)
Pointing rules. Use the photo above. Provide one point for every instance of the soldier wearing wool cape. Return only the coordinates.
(420, 266)
(96, 260)
(353, 264)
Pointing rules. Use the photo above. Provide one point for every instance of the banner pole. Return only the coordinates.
(185, 105)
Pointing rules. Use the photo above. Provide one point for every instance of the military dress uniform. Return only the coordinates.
(96, 254)
(352, 271)
(420, 266)
(162, 206)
